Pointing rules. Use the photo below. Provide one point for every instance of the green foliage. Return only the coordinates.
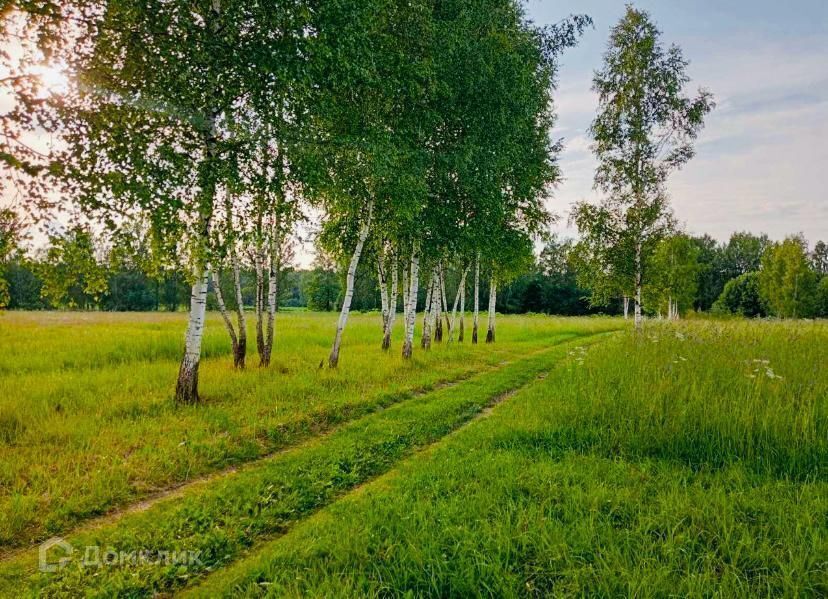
(644, 130)
(822, 298)
(674, 272)
(711, 280)
(71, 273)
(12, 235)
(786, 282)
(743, 254)
(323, 290)
(819, 258)
(741, 296)
(25, 285)
(551, 287)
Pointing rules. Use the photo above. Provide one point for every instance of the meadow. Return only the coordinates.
(571, 457)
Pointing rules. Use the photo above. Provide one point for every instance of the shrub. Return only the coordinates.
(741, 296)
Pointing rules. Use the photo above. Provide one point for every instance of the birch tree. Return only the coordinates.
(644, 131)
(150, 119)
(370, 121)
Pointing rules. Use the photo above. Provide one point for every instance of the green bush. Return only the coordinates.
(822, 298)
(741, 296)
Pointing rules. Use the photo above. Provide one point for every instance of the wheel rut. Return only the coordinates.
(325, 468)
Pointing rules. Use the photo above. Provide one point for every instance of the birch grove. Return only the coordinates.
(264, 111)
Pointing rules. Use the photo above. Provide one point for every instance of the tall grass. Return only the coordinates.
(87, 421)
(668, 464)
(706, 394)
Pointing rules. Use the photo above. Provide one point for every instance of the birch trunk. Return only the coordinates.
(241, 352)
(490, 333)
(186, 390)
(427, 310)
(272, 299)
(438, 311)
(444, 304)
(392, 306)
(637, 318)
(411, 312)
(333, 359)
(405, 292)
(626, 307)
(228, 324)
(433, 313)
(476, 315)
(454, 307)
(425, 340)
(259, 264)
(461, 332)
(383, 288)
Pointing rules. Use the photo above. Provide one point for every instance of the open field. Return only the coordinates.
(570, 457)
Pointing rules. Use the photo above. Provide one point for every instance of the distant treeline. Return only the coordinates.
(749, 275)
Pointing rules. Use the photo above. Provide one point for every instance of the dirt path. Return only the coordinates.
(191, 486)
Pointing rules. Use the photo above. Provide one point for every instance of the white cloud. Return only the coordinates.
(762, 161)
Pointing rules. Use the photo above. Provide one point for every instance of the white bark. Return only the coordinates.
(456, 302)
(333, 359)
(462, 332)
(392, 305)
(476, 314)
(241, 350)
(382, 279)
(428, 309)
(433, 313)
(405, 292)
(626, 307)
(411, 312)
(223, 310)
(272, 297)
(443, 303)
(637, 317)
(187, 387)
(490, 333)
(259, 266)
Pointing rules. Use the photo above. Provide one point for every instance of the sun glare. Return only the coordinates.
(53, 79)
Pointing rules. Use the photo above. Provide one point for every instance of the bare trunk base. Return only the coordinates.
(474, 334)
(460, 333)
(239, 354)
(333, 359)
(186, 390)
(490, 336)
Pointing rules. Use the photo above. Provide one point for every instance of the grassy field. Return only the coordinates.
(568, 458)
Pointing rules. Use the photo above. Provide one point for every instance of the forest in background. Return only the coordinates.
(78, 270)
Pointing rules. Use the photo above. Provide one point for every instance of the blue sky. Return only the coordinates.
(762, 160)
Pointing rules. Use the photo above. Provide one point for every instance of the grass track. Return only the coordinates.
(87, 425)
(227, 516)
(647, 467)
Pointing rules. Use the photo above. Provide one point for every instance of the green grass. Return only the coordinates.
(87, 423)
(669, 465)
(222, 519)
(691, 460)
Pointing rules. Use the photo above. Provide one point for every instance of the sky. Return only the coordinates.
(762, 159)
